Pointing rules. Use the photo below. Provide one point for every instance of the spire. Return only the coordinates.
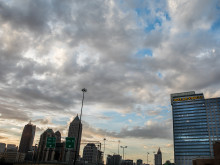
(159, 152)
(76, 118)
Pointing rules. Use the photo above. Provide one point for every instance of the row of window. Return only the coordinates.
(191, 130)
(191, 137)
(191, 147)
(190, 124)
(191, 143)
(191, 133)
(192, 154)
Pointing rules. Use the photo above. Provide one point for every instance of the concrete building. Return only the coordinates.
(45, 154)
(74, 127)
(27, 138)
(158, 157)
(2, 147)
(113, 160)
(196, 126)
(90, 153)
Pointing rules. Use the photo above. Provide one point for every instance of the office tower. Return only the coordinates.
(74, 127)
(158, 158)
(27, 138)
(58, 136)
(2, 147)
(90, 153)
(139, 162)
(196, 126)
(43, 153)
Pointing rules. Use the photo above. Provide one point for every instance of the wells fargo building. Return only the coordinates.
(196, 125)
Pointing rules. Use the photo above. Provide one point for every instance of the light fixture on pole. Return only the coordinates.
(123, 150)
(77, 141)
(147, 156)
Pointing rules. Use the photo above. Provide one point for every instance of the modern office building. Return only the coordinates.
(75, 127)
(158, 158)
(196, 126)
(27, 138)
(90, 153)
(2, 147)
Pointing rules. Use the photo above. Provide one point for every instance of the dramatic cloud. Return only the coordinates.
(130, 55)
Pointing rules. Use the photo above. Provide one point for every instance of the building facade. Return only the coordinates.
(27, 138)
(45, 154)
(90, 153)
(158, 158)
(114, 160)
(75, 127)
(2, 147)
(11, 148)
(196, 126)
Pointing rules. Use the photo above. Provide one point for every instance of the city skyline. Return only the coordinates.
(130, 55)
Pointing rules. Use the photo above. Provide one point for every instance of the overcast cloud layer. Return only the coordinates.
(130, 55)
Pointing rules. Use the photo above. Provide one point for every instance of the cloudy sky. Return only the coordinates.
(129, 54)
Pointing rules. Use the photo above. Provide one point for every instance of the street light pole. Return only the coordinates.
(118, 146)
(123, 150)
(77, 141)
(147, 157)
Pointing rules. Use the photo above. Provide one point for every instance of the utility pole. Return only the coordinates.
(77, 145)
(147, 157)
(118, 146)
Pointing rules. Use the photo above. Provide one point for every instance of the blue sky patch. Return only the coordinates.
(159, 75)
(216, 25)
(144, 52)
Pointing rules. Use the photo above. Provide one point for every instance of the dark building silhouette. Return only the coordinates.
(74, 127)
(59, 152)
(90, 153)
(113, 160)
(27, 138)
(139, 162)
(58, 136)
(45, 154)
(158, 158)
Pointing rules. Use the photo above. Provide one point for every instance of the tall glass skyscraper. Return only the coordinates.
(196, 125)
(27, 138)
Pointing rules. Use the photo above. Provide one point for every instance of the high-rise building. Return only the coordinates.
(158, 158)
(75, 128)
(58, 136)
(43, 153)
(27, 138)
(2, 147)
(90, 153)
(196, 126)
